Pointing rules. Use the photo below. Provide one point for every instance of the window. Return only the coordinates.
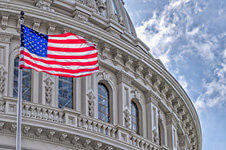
(161, 134)
(135, 117)
(65, 92)
(114, 7)
(103, 103)
(26, 81)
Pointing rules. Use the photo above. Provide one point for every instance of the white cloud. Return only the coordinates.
(176, 25)
(175, 22)
(214, 91)
(183, 82)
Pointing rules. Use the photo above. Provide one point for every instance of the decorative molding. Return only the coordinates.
(169, 118)
(156, 82)
(38, 131)
(155, 136)
(128, 63)
(5, 38)
(2, 125)
(114, 32)
(36, 24)
(109, 148)
(91, 98)
(74, 140)
(181, 111)
(103, 75)
(127, 118)
(50, 134)
(5, 17)
(44, 4)
(163, 88)
(101, 6)
(26, 129)
(151, 96)
(63, 136)
(147, 76)
(138, 69)
(2, 105)
(98, 145)
(136, 94)
(175, 103)
(105, 51)
(13, 127)
(52, 28)
(117, 56)
(160, 115)
(48, 89)
(123, 77)
(80, 15)
(2, 79)
(86, 142)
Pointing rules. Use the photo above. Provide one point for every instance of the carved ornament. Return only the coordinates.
(128, 63)
(91, 99)
(101, 6)
(5, 38)
(2, 78)
(48, 89)
(123, 77)
(127, 117)
(117, 56)
(45, 5)
(5, 18)
(104, 75)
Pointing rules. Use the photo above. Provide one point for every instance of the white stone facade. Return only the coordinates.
(167, 117)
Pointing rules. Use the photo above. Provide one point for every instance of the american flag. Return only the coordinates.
(67, 54)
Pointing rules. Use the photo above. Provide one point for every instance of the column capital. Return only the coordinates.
(124, 77)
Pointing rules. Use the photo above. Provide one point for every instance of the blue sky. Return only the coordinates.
(189, 36)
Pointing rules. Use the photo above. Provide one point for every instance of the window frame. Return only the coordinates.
(73, 94)
(137, 113)
(109, 103)
(13, 74)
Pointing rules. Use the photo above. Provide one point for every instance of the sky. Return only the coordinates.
(189, 37)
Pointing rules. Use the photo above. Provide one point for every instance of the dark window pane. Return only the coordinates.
(65, 92)
(103, 103)
(134, 116)
(26, 81)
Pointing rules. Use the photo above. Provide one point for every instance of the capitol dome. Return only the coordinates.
(132, 103)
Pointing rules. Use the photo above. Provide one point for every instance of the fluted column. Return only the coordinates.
(172, 131)
(124, 99)
(5, 41)
(152, 117)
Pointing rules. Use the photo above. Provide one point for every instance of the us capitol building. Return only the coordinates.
(132, 103)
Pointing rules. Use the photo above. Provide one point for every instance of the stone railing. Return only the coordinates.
(68, 117)
(142, 143)
(42, 112)
(95, 125)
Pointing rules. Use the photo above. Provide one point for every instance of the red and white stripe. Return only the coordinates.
(68, 55)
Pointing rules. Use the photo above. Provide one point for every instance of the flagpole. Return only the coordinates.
(19, 103)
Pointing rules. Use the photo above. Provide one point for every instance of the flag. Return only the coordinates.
(67, 55)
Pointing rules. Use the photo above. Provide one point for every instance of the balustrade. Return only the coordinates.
(76, 120)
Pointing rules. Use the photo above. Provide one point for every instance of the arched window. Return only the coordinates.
(103, 103)
(65, 92)
(26, 81)
(114, 7)
(160, 134)
(135, 117)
